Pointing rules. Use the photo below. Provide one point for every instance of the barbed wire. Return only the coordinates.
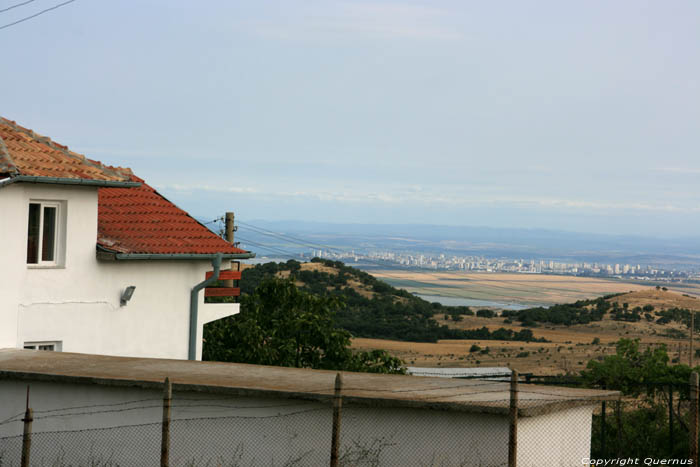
(137, 425)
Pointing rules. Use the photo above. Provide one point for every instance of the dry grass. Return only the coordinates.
(570, 348)
(532, 289)
(661, 300)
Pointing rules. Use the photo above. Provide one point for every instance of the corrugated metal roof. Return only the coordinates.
(482, 372)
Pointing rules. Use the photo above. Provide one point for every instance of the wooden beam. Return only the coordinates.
(226, 275)
(222, 292)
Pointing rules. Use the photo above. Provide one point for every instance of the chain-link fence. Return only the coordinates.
(490, 423)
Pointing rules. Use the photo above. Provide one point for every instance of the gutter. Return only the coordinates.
(194, 304)
(211, 256)
(68, 181)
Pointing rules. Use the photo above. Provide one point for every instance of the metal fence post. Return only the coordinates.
(670, 419)
(165, 434)
(618, 416)
(27, 433)
(337, 405)
(513, 431)
(693, 428)
(602, 429)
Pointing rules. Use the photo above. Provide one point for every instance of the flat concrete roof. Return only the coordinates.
(367, 389)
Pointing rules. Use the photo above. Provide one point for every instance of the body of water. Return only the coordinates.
(454, 301)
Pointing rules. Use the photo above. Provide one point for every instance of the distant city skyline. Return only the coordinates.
(577, 117)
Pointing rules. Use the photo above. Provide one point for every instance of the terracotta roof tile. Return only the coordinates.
(24, 152)
(141, 220)
(130, 219)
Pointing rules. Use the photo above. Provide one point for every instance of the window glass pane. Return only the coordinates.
(33, 234)
(30, 347)
(46, 347)
(49, 240)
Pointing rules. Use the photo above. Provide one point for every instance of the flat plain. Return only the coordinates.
(511, 288)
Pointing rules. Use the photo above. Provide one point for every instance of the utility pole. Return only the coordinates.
(230, 229)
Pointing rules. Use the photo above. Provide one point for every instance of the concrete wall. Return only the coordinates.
(122, 424)
(77, 302)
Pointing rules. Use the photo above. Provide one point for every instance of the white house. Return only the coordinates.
(101, 410)
(94, 260)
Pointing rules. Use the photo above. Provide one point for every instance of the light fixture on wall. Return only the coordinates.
(126, 295)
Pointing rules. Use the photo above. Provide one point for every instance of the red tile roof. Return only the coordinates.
(24, 152)
(130, 219)
(141, 220)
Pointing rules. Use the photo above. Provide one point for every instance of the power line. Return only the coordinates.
(279, 251)
(15, 6)
(301, 242)
(27, 18)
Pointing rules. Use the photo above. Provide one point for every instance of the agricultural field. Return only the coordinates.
(520, 289)
(569, 349)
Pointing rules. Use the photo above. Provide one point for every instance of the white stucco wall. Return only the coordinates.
(77, 303)
(267, 431)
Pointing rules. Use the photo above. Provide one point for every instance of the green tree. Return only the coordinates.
(284, 326)
(630, 369)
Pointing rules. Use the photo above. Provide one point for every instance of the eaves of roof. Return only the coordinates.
(68, 181)
(106, 254)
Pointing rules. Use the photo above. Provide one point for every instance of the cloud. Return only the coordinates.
(361, 19)
(679, 170)
(423, 196)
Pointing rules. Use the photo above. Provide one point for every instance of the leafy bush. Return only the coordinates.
(282, 325)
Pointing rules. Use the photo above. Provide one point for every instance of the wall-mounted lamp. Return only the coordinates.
(126, 295)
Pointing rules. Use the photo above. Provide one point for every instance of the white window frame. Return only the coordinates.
(55, 346)
(58, 234)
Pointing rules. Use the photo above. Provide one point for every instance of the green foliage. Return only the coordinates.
(580, 312)
(626, 315)
(647, 376)
(284, 326)
(596, 341)
(474, 348)
(523, 354)
(485, 313)
(375, 361)
(501, 334)
(679, 315)
(389, 314)
(630, 369)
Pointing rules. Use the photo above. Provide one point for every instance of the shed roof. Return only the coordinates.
(298, 383)
(447, 372)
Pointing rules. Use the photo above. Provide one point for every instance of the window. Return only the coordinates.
(54, 346)
(42, 233)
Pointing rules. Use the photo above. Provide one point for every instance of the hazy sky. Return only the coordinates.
(559, 114)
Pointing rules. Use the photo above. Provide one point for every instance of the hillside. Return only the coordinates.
(429, 334)
(569, 348)
(658, 298)
(374, 309)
